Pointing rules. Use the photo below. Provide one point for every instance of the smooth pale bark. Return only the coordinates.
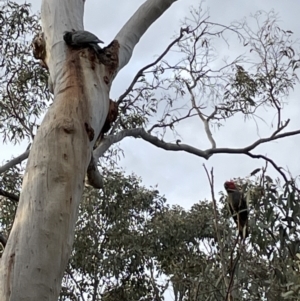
(40, 242)
(137, 25)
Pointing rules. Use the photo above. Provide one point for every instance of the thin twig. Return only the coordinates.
(206, 154)
(281, 128)
(141, 71)
(279, 169)
(171, 124)
(232, 270)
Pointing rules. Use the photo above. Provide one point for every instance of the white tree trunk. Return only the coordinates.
(40, 242)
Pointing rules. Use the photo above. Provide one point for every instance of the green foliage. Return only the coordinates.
(10, 182)
(198, 83)
(130, 245)
(111, 242)
(272, 75)
(23, 93)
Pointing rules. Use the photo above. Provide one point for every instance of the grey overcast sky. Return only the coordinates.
(180, 176)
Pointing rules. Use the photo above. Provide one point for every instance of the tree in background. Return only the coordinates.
(126, 236)
(130, 244)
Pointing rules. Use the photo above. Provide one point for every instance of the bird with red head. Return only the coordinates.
(238, 207)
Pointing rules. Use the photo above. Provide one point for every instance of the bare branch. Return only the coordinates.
(252, 146)
(14, 162)
(171, 124)
(232, 269)
(216, 219)
(3, 240)
(279, 169)
(206, 154)
(141, 71)
(141, 133)
(204, 120)
(280, 128)
(95, 288)
(9, 195)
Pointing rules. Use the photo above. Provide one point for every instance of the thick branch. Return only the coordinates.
(137, 25)
(141, 133)
(3, 240)
(9, 195)
(14, 162)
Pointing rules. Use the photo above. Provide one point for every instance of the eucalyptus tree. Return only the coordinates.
(70, 140)
(32, 269)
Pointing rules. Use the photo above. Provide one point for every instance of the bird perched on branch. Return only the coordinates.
(82, 39)
(238, 207)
